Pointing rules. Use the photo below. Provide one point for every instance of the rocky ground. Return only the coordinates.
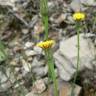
(25, 66)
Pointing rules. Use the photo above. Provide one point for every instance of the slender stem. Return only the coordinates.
(52, 71)
(46, 58)
(44, 14)
(78, 62)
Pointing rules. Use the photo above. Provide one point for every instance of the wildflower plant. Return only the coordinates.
(46, 46)
(78, 17)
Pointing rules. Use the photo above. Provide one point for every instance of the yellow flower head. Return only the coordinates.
(46, 44)
(78, 16)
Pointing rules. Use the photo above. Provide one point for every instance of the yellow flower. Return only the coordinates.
(78, 16)
(46, 44)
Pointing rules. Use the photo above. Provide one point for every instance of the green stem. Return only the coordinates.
(52, 70)
(44, 14)
(78, 62)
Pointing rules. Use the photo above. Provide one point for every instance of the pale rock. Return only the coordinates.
(86, 47)
(30, 59)
(40, 71)
(46, 80)
(66, 56)
(5, 86)
(31, 94)
(37, 63)
(4, 82)
(10, 75)
(70, 20)
(52, 6)
(60, 18)
(26, 66)
(7, 2)
(3, 77)
(17, 69)
(14, 62)
(28, 44)
(30, 53)
(37, 49)
(65, 71)
(39, 89)
(76, 5)
(15, 43)
(17, 49)
(89, 2)
(25, 31)
(10, 3)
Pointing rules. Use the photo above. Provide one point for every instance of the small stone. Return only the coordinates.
(45, 80)
(4, 82)
(61, 18)
(28, 45)
(76, 5)
(17, 49)
(30, 53)
(37, 49)
(31, 94)
(30, 59)
(26, 66)
(25, 31)
(3, 77)
(51, 6)
(13, 62)
(89, 2)
(40, 71)
(70, 20)
(39, 86)
(38, 28)
(5, 86)
(8, 3)
(17, 69)
(37, 63)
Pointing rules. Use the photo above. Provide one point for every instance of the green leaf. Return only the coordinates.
(3, 55)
